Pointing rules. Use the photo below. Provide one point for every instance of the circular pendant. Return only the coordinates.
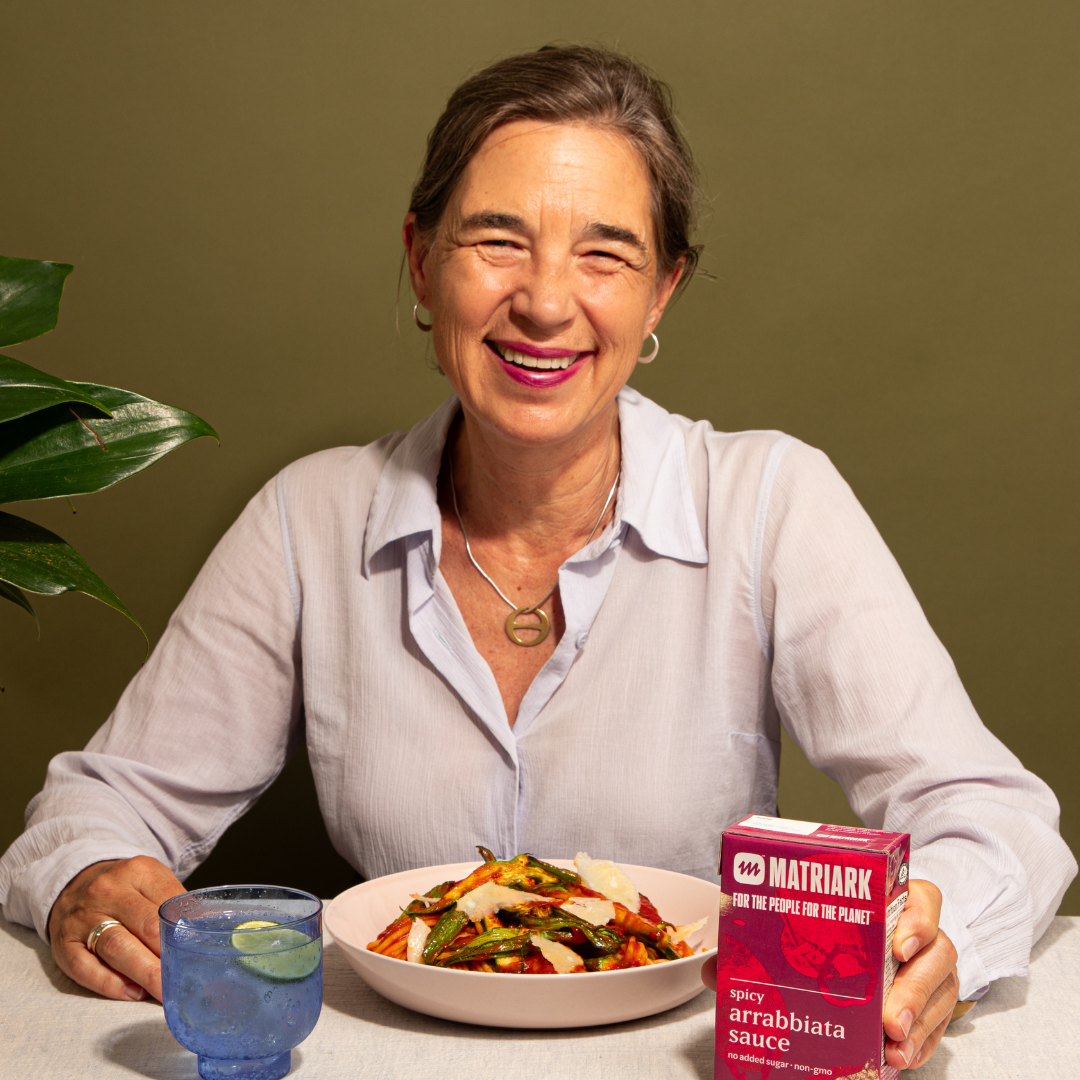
(542, 628)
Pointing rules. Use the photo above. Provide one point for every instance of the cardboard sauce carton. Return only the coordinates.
(805, 962)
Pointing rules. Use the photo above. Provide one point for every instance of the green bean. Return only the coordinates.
(443, 933)
(564, 937)
(567, 877)
(418, 907)
(500, 941)
(600, 937)
(601, 963)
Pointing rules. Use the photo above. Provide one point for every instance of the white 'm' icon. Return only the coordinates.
(749, 869)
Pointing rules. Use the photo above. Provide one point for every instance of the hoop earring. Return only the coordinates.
(655, 349)
(424, 326)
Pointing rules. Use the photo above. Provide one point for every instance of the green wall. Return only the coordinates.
(892, 226)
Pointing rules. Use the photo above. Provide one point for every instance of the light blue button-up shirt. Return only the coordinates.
(739, 586)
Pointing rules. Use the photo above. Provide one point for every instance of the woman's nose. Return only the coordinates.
(545, 296)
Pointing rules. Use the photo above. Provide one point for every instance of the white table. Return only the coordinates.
(50, 1029)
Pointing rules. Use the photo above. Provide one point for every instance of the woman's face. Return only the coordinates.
(542, 279)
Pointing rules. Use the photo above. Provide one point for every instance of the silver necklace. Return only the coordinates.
(512, 626)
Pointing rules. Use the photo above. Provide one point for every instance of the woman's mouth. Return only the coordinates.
(527, 360)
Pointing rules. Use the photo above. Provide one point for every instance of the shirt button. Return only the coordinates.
(581, 639)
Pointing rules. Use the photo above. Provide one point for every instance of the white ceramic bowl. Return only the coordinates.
(358, 915)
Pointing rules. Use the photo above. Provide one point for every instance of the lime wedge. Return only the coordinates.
(253, 924)
(284, 956)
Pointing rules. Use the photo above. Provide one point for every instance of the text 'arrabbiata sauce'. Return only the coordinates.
(805, 961)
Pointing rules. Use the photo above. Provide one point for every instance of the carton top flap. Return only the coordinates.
(812, 832)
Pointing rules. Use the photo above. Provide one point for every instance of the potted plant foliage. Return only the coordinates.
(61, 438)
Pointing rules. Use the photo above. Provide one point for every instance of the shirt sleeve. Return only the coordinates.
(197, 736)
(869, 693)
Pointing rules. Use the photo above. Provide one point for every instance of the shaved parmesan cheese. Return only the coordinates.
(591, 909)
(418, 935)
(562, 959)
(484, 901)
(681, 933)
(427, 901)
(606, 878)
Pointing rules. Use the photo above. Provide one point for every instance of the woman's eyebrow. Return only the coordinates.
(597, 230)
(490, 219)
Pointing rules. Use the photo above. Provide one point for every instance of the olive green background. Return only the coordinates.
(892, 224)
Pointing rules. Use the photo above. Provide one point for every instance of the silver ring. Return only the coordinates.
(95, 934)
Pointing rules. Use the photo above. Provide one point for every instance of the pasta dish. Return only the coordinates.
(527, 917)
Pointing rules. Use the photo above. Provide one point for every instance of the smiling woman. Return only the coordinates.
(524, 275)
(551, 614)
(548, 231)
(542, 279)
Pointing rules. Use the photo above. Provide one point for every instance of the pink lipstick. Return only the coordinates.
(535, 365)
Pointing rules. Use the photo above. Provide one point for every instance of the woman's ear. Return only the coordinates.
(416, 250)
(664, 291)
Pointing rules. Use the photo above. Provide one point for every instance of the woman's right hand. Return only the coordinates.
(127, 964)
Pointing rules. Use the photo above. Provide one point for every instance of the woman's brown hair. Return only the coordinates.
(566, 84)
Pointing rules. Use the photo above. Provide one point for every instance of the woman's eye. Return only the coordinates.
(605, 258)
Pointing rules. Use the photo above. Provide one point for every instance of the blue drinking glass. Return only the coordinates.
(241, 976)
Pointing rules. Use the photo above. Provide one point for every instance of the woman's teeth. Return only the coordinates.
(524, 360)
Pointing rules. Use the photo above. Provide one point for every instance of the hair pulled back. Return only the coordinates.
(570, 83)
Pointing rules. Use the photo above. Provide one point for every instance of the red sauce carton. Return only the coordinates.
(805, 962)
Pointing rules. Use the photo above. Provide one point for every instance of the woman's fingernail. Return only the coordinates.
(905, 1020)
(909, 948)
(136, 993)
(905, 1050)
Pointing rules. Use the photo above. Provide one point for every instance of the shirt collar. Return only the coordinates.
(405, 500)
(655, 496)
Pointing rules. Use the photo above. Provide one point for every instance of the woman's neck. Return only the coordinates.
(534, 498)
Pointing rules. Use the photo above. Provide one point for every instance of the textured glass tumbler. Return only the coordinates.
(241, 976)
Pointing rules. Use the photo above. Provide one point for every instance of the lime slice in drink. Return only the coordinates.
(252, 924)
(284, 956)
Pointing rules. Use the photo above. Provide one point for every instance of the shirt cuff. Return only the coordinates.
(974, 981)
(32, 888)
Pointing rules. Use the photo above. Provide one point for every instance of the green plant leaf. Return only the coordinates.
(17, 596)
(24, 389)
(72, 450)
(30, 294)
(39, 561)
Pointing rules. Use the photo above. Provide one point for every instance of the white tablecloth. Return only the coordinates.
(50, 1029)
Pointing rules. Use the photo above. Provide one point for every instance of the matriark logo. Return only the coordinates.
(749, 869)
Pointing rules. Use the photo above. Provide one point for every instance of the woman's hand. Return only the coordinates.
(127, 964)
(923, 995)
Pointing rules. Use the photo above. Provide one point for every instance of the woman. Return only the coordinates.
(551, 616)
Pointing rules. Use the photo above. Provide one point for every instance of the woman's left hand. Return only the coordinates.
(924, 992)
